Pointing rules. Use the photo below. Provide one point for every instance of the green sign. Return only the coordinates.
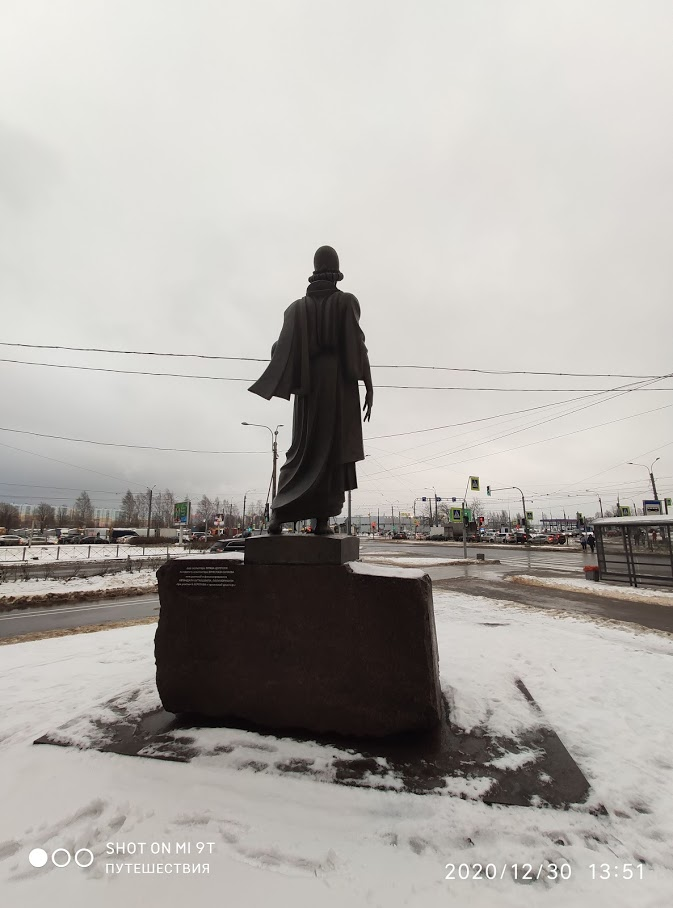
(668, 502)
(181, 512)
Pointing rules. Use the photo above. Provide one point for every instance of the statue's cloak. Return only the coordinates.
(319, 357)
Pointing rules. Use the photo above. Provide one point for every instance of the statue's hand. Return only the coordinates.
(369, 403)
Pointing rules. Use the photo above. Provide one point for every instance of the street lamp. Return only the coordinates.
(600, 503)
(649, 470)
(274, 451)
(245, 498)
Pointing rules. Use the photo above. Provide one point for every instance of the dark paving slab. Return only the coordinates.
(532, 770)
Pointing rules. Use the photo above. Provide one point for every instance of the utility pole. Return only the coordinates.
(348, 521)
(243, 518)
(149, 511)
(275, 461)
(650, 471)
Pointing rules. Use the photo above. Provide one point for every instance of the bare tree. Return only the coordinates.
(82, 512)
(205, 511)
(9, 515)
(128, 509)
(45, 514)
(477, 508)
(62, 516)
(142, 503)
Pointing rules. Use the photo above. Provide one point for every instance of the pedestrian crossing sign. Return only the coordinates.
(474, 483)
(456, 514)
(529, 515)
(626, 510)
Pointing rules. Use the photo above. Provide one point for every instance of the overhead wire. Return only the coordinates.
(626, 389)
(251, 359)
(252, 380)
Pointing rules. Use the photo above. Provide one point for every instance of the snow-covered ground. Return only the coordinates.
(293, 842)
(613, 590)
(29, 589)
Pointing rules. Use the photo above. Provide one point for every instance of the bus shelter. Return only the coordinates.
(635, 550)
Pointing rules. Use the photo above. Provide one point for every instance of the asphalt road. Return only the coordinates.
(80, 614)
(513, 558)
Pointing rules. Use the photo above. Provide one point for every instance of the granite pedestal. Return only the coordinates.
(325, 647)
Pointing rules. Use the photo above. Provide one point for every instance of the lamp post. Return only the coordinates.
(274, 451)
(245, 498)
(649, 470)
(600, 503)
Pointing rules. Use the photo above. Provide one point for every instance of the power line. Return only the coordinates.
(74, 465)
(251, 359)
(33, 485)
(114, 444)
(625, 389)
(531, 443)
(21, 362)
(455, 425)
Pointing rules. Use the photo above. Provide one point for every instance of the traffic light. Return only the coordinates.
(266, 511)
(488, 490)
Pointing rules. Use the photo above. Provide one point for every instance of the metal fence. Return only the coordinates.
(68, 570)
(47, 553)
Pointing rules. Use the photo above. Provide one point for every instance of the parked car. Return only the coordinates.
(228, 545)
(400, 536)
(38, 540)
(9, 539)
(94, 540)
(556, 538)
(120, 533)
(539, 539)
(135, 539)
(488, 536)
(72, 539)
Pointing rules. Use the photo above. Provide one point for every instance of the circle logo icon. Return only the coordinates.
(38, 857)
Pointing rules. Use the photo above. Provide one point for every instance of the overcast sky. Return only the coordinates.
(497, 179)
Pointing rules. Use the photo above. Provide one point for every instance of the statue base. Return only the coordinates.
(342, 648)
(301, 548)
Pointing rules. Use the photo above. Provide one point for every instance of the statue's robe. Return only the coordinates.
(319, 357)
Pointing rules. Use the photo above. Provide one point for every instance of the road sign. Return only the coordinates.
(456, 514)
(651, 507)
(529, 515)
(625, 510)
(474, 483)
(668, 502)
(181, 512)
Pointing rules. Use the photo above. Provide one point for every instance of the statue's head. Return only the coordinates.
(326, 265)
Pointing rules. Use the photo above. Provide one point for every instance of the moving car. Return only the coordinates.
(539, 539)
(228, 545)
(94, 540)
(9, 539)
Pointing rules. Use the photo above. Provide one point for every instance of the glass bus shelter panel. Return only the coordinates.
(636, 554)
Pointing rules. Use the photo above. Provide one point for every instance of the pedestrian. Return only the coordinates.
(591, 541)
(583, 542)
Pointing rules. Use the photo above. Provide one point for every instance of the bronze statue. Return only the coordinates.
(319, 357)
